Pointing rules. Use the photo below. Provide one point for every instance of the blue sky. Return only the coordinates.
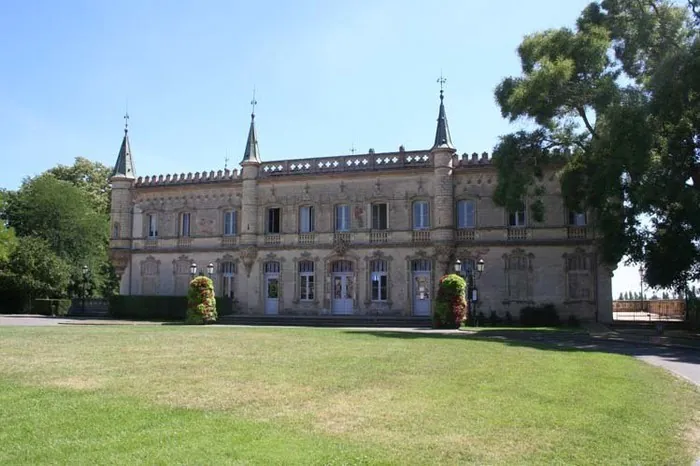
(329, 76)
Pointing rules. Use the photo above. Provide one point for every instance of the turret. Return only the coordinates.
(121, 213)
(443, 154)
(250, 167)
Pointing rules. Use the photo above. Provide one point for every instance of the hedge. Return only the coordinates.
(451, 304)
(51, 307)
(539, 316)
(158, 307)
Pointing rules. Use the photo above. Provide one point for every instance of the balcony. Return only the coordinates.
(577, 232)
(229, 241)
(184, 242)
(517, 234)
(466, 234)
(151, 242)
(307, 239)
(344, 237)
(273, 239)
(421, 236)
(378, 237)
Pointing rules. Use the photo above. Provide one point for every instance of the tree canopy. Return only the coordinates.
(615, 105)
(61, 220)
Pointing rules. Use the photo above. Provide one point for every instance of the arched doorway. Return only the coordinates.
(272, 287)
(342, 287)
(421, 270)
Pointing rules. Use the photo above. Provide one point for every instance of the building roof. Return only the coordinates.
(125, 164)
(252, 152)
(442, 132)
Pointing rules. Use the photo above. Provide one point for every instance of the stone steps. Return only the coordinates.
(326, 321)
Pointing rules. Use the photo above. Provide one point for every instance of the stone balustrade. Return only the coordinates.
(348, 163)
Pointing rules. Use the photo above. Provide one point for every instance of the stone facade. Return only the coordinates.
(355, 234)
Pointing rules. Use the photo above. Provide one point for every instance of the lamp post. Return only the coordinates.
(210, 269)
(193, 269)
(471, 291)
(641, 286)
(86, 270)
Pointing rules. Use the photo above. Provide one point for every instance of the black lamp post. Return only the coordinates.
(471, 291)
(86, 270)
(210, 269)
(193, 269)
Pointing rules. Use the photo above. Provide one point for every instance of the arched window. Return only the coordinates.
(228, 275)
(306, 281)
(379, 280)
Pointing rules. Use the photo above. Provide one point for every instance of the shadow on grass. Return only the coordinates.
(548, 340)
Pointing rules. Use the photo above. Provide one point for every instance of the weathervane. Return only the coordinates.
(226, 161)
(352, 149)
(441, 80)
(126, 121)
(253, 102)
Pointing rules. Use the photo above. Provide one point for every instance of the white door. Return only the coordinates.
(422, 287)
(272, 294)
(342, 293)
(342, 287)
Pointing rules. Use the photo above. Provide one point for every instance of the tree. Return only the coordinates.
(90, 177)
(8, 240)
(61, 214)
(615, 104)
(33, 270)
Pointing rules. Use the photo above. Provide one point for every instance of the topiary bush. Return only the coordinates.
(201, 303)
(450, 305)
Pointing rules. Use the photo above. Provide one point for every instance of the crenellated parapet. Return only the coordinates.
(466, 160)
(189, 178)
(348, 163)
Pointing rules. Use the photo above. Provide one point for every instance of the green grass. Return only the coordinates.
(215, 395)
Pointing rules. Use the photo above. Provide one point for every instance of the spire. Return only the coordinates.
(252, 153)
(442, 133)
(125, 164)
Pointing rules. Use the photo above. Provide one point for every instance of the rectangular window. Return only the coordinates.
(152, 225)
(307, 220)
(230, 223)
(379, 281)
(577, 219)
(466, 214)
(342, 217)
(516, 219)
(421, 215)
(380, 217)
(273, 220)
(185, 224)
(306, 281)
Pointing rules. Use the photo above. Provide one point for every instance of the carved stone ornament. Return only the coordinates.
(444, 252)
(119, 259)
(340, 246)
(248, 256)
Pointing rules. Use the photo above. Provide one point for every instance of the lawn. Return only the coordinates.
(218, 395)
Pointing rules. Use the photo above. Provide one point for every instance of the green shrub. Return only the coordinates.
(51, 307)
(450, 305)
(148, 307)
(201, 303)
(539, 316)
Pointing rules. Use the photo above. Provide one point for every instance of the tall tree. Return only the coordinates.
(91, 177)
(616, 105)
(33, 270)
(8, 240)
